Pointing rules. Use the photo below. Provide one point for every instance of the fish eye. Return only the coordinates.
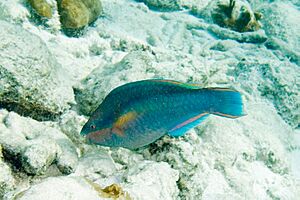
(93, 126)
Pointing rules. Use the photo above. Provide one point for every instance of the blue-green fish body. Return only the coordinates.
(139, 113)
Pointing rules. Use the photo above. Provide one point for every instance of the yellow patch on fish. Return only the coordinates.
(122, 121)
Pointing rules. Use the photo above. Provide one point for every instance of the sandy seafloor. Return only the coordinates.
(254, 157)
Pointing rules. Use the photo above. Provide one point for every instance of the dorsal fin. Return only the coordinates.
(221, 89)
(172, 82)
(148, 85)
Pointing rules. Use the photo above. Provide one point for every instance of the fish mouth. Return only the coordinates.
(98, 137)
(84, 130)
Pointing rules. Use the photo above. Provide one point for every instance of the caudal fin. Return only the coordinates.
(226, 102)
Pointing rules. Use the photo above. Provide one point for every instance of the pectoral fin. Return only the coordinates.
(122, 122)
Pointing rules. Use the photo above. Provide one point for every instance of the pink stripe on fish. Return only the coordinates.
(225, 115)
(98, 136)
(188, 121)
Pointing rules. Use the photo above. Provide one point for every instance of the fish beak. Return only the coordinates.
(84, 130)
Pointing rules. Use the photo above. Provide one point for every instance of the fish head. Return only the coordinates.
(113, 131)
(97, 130)
(100, 135)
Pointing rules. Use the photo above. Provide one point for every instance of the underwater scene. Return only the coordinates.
(150, 99)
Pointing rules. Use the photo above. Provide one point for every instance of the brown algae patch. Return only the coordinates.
(113, 191)
(238, 17)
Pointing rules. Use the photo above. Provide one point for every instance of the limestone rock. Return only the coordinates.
(13, 11)
(37, 157)
(157, 179)
(31, 81)
(71, 124)
(99, 162)
(248, 37)
(281, 21)
(275, 80)
(71, 188)
(75, 14)
(7, 181)
(42, 7)
(163, 4)
(67, 158)
(33, 146)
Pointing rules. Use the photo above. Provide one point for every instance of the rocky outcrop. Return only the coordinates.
(31, 80)
(76, 14)
(163, 4)
(281, 23)
(163, 178)
(7, 181)
(42, 7)
(33, 146)
(72, 188)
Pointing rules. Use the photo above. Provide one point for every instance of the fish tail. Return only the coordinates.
(226, 102)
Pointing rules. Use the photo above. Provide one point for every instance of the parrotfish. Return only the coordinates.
(139, 113)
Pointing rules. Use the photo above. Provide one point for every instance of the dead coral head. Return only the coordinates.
(236, 15)
(42, 8)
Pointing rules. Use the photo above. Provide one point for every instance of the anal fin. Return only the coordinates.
(182, 128)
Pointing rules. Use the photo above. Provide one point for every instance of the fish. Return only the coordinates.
(139, 113)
